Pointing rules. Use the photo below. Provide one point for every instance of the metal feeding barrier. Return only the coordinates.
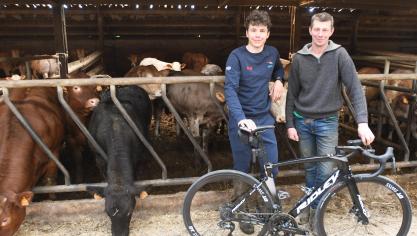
(112, 82)
(164, 181)
(405, 140)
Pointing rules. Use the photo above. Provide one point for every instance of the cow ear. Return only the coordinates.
(141, 191)
(97, 191)
(99, 88)
(220, 97)
(183, 65)
(24, 199)
(405, 100)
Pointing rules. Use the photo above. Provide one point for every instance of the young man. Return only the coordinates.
(314, 98)
(248, 71)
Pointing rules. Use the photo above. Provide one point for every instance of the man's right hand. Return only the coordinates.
(247, 123)
(292, 134)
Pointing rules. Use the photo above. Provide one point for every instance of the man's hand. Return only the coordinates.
(365, 134)
(276, 90)
(247, 123)
(292, 134)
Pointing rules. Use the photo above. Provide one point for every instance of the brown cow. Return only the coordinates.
(22, 167)
(371, 93)
(194, 61)
(392, 94)
(82, 99)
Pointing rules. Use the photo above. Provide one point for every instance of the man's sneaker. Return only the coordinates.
(304, 216)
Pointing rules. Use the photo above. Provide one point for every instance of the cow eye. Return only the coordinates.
(76, 88)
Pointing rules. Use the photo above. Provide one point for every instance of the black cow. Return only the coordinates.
(123, 148)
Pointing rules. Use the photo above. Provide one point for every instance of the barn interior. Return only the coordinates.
(120, 28)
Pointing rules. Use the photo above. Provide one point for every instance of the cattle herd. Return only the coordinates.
(23, 164)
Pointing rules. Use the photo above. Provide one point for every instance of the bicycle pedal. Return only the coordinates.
(283, 195)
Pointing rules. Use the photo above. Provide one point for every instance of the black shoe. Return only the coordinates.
(246, 228)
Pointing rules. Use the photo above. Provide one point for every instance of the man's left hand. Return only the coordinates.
(276, 91)
(365, 134)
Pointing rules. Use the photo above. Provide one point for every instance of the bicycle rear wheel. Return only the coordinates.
(387, 205)
(208, 204)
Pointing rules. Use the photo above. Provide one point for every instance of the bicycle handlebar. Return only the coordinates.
(258, 129)
(382, 159)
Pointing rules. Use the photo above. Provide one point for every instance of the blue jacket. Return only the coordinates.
(246, 84)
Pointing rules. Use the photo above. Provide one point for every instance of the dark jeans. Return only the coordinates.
(317, 137)
(242, 153)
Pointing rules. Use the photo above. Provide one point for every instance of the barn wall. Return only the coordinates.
(214, 32)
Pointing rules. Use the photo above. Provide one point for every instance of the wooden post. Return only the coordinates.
(237, 26)
(60, 32)
(100, 31)
(354, 35)
(295, 33)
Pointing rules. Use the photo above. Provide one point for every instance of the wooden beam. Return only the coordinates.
(354, 35)
(85, 62)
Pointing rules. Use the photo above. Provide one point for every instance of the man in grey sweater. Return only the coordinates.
(314, 98)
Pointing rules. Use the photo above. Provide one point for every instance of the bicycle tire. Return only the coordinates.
(210, 193)
(387, 204)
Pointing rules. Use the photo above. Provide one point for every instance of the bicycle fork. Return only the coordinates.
(358, 207)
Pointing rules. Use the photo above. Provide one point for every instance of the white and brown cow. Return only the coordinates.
(44, 68)
(161, 65)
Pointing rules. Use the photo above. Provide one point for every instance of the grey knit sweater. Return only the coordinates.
(314, 85)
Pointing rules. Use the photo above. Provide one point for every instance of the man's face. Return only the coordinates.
(320, 32)
(257, 35)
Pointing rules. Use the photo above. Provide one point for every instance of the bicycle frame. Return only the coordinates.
(342, 173)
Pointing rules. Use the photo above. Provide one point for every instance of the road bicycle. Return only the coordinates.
(350, 204)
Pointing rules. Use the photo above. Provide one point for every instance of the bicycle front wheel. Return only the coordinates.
(210, 204)
(386, 203)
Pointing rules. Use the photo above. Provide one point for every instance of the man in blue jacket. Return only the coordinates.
(248, 71)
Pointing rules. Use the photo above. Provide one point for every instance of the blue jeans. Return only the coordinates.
(317, 137)
(242, 153)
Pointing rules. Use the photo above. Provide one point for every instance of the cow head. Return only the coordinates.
(82, 99)
(13, 211)
(120, 202)
(133, 58)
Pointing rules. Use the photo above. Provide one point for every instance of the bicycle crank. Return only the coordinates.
(284, 224)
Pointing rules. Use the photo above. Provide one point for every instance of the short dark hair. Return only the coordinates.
(322, 17)
(257, 17)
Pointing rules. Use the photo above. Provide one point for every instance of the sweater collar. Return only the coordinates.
(332, 46)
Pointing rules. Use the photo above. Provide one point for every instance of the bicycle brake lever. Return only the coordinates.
(394, 166)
